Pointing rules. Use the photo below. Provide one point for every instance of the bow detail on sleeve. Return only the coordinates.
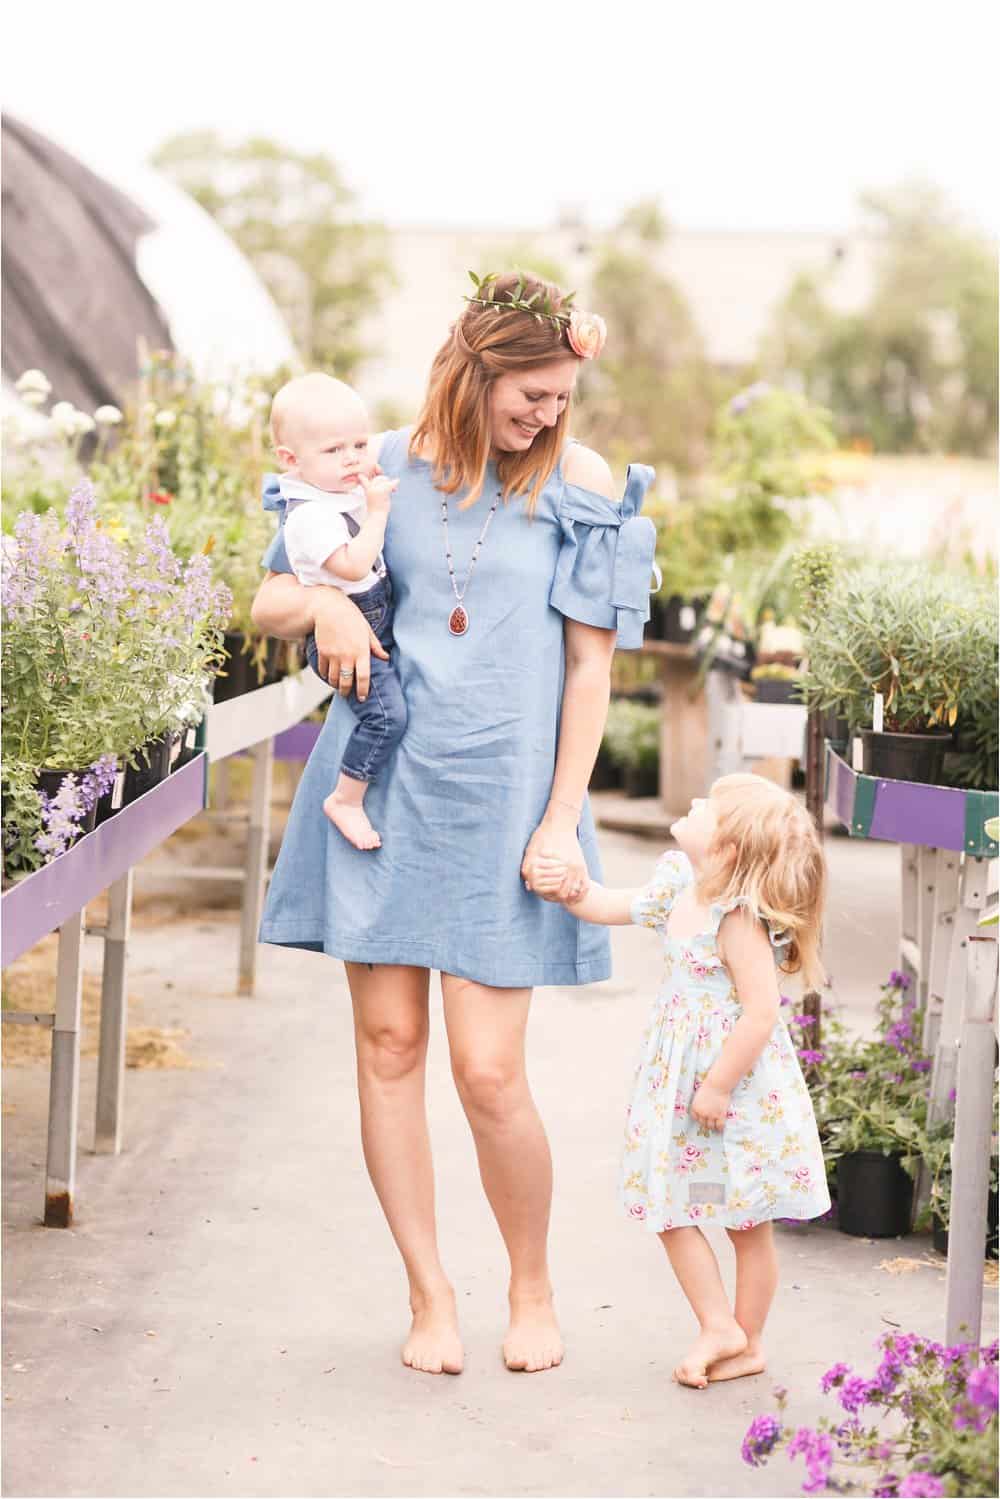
(597, 530)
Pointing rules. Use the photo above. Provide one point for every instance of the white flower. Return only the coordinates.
(82, 423)
(165, 418)
(63, 416)
(107, 416)
(33, 386)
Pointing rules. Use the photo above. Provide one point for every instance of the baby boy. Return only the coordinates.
(336, 509)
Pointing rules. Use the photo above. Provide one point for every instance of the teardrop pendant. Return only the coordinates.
(458, 620)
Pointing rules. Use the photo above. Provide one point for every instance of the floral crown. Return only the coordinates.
(585, 331)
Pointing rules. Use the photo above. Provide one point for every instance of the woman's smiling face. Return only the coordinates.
(522, 402)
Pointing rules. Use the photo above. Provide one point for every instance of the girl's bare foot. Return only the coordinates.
(750, 1361)
(533, 1340)
(352, 822)
(711, 1346)
(434, 1345)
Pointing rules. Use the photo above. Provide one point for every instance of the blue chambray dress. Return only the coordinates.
(471, 777)
(767, 1161)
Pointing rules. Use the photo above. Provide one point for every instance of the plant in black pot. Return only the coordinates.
(896, 641)
(870, 1098)
(632, 743)
(776, 673)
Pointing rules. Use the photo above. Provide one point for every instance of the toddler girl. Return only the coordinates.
(721, 1128)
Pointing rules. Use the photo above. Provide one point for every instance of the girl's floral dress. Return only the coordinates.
(766, 1162)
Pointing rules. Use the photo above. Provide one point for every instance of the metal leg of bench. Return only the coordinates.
(64, 1084)
(256, 866)
(114, 1017)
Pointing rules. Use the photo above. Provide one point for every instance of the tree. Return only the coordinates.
(652, 396)
(917, 367)
(290, 214)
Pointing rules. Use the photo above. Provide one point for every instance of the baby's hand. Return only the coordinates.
(378, 492)
(710, 1106)
(548, 874)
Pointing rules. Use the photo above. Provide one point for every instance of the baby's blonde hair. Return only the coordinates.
(767, 851)
(299, 398)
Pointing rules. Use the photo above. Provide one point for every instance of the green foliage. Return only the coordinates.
(915, 369)
(290, 212)
(925, 640)
(632, 734)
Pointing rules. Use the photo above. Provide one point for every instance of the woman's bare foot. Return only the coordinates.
(434, 1345)
(750, 1361)
(352, 822)
(711, 1346)
(533, 1340)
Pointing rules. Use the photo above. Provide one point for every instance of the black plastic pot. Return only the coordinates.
(836, 729)
(185, 748)
(642, 780)
(776, 690)
(241, 675)
(939, 1234)
(49, 781)
(606, 775)
(152, 768)
(874, 1195)
(904, 757)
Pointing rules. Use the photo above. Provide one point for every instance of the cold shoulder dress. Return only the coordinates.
(470, 779)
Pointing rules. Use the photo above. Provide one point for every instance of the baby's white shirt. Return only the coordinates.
(315, 527)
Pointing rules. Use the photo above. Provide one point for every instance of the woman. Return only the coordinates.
(512, 567)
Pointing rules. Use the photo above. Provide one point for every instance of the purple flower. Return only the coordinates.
(922, 1064)
(920, 1485)
(804, 1021)
(762, 1434)
(810, 1058)
(887, 1487)
(834, 1377)
(982, 1386)
(854, 1394)
(898, 980)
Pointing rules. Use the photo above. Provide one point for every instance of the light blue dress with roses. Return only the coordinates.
(766, 1162)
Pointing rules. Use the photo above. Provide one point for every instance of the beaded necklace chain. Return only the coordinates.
(458, 619)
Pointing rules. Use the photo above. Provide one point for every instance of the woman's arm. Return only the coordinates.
(344, 639)
(746, 952)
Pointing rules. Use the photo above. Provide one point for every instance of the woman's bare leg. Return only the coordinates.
(391, 1029)
(756, 1283)
(486, 1029)
(720, 1335)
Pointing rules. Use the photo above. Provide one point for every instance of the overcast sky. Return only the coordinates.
(767, 116)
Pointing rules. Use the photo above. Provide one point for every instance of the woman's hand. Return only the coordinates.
(344, 642)
(554, 843)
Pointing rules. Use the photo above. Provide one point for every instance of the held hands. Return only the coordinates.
(710, 1106)
(378, 491)
(548, 874)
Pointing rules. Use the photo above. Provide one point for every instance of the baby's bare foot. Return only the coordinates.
(533, 1340)
(711, 1346)
(434, 1345)
(352, 822)
(750, 1361)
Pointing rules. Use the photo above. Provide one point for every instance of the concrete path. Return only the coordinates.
(225, 1317)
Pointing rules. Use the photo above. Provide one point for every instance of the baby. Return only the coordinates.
(337, 505)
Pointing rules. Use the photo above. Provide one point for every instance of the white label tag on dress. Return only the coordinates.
(713, 1192)
(878, 713)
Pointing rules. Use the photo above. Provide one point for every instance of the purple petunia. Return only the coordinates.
(810, 1058)
(834, 1377)
(920, 1485)
(981, 1388)
(854, 1393)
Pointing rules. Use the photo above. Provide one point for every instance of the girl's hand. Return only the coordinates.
(344, 642)
(558, 843)
(710, 1106)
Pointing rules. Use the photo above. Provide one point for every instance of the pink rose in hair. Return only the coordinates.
(586, 333)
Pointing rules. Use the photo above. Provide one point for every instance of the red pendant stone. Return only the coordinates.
(458, 620)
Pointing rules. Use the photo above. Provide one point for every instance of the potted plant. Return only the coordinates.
(779, 653)
(632, 742)
(104, 648)
(871, 1109)
(899, 638)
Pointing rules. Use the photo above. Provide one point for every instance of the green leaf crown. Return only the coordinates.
(539, 305)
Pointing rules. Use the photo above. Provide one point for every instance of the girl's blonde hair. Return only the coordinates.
(454, 425)
(766, 850)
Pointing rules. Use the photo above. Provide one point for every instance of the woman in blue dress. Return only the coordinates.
(513, 570)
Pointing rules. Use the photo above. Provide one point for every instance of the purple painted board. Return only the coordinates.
(933, 816)
(38, 904)
(297, 742)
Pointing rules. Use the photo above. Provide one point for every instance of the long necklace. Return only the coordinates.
(458, 619)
